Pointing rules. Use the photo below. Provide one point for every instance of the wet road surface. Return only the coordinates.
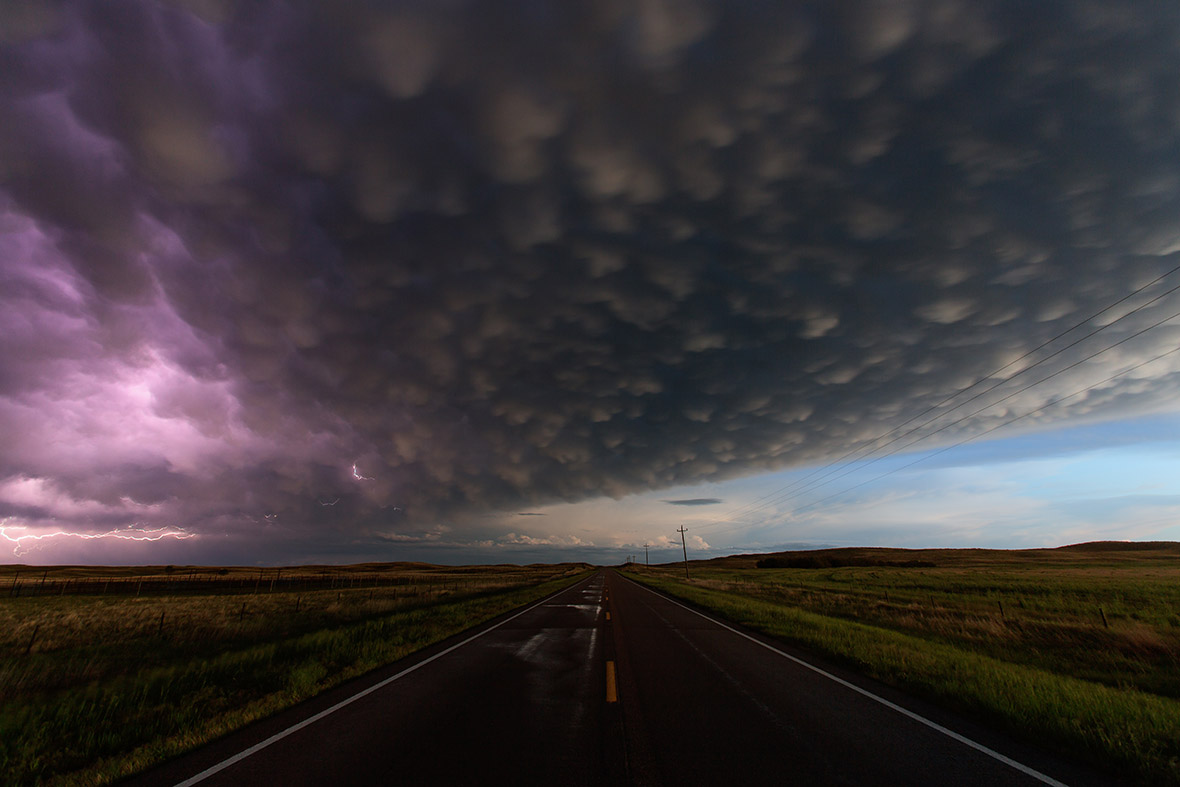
(607, 682)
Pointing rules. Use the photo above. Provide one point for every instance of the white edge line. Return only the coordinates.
(892, 706)
(278, 736)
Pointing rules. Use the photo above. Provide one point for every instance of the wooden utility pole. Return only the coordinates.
(646, 562)
(682, 531)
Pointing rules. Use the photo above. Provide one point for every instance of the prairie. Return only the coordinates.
(105, 671)
(1076, 648)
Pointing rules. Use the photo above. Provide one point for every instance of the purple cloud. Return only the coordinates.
(255, 258)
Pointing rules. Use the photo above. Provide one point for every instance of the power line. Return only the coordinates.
(849, 470)
(750, 507)
(976, 436)
(833, 467)
(1041, 361)
(778, 495)
(1040, 347)
(994, 428)
(944, 427)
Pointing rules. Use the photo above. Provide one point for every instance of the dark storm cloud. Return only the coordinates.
(431, 260)
(696, 501)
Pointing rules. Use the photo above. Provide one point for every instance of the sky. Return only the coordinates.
(464, 281)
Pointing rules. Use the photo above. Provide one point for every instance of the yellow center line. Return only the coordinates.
(612, 692)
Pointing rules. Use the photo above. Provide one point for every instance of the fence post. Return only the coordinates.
(32, 639)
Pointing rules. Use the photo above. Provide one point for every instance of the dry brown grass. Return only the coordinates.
(126, 665)
(1108, 612)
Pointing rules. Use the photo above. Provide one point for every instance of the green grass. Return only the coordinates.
(105, 692)
(1046, 668)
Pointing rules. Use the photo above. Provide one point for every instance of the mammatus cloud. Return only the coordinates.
(696, 501)
(325, 274)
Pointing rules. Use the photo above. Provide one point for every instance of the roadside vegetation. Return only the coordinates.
(105, 672)
(1076, 649)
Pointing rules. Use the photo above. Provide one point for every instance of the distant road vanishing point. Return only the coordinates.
(604, 683)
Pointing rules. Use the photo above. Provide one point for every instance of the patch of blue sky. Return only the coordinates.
(1115, 479)
(1098, 481)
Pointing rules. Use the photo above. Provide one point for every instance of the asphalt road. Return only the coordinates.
(608, 683)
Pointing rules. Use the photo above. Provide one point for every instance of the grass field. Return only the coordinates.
(1075, 648)
(105, 671)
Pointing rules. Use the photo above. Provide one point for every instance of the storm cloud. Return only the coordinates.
(351, 270)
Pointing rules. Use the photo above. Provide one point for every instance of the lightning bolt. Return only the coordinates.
(331, 502)
(357, 474)
(26, 542)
